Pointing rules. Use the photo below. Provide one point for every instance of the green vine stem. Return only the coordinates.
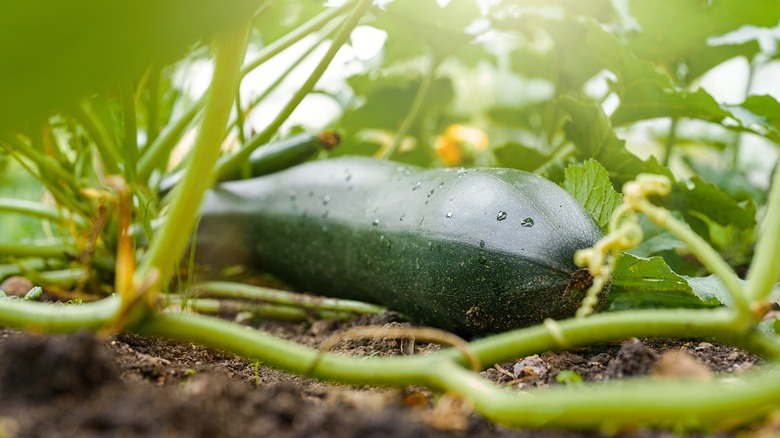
(257, 310)
(46, 164)
(625, 404)
(130, 147)
(232, 163)
(108, 150)
(152, 157)
(326, 31)
(156, 155)
(169, 243)
(279, 45)
(38, 210)
(635, 196)
(224, 289)
(57, 250)
(414, 110)
(765, 269)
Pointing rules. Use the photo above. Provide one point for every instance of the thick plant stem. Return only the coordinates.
(50, 318)
(765, 268)
(619, 405)
(232, 163)
(170, 242)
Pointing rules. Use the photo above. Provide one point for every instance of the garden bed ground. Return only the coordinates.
(129, 385)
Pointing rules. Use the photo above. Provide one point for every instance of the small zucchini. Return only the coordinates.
(272, 157)
(472, 251)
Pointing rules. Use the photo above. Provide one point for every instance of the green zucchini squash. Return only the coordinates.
(272, 157)
(473, 251)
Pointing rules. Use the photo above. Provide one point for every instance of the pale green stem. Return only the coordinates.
(156, 154)
(611, 406)
(46, 164)
(232, 163)
(169, 243)
(414, 111)
(224, 289)
(129, 149)
(51, 318)
(765, 269)
(706, 254)
(38, 250)
(37, 209)
(258, 310)
(294, 36)
(106, 147)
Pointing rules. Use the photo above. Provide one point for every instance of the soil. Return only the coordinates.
(128, 385)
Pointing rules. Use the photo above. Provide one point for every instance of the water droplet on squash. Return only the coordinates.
(449, 215)
(527, 222)
(325, 199)
(430, 193)
(375, 223)
(501, 215)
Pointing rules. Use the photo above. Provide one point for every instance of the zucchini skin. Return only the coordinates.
(473, 251)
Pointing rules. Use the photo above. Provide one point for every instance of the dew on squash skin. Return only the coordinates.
(326, 199)
(449, 215)
(501, 215)
(430, 193)
(375, 223)
(527, 222)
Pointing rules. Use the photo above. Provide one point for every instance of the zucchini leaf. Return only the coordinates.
(642, 283)
(589, 184)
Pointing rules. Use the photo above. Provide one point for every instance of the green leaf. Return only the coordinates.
(644, 92)
(650, 283)
(701, 197)
(710, 56)
(517, 156)
(591, 131)
(710, 289)
(674, 30)
(441, 28)
(388, 100)
(758, 114)
(589, 184)
(63, 50)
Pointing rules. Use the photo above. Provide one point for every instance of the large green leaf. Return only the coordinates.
(56, 51)
(650, 283)
(417, 26)
(697, 196)
(675, 30)
(591, 131)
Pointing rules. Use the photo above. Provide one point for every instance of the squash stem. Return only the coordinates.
(169, 243)
(765, 269)
(232, 163)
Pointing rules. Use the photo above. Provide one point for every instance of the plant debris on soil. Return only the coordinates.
(128, 385)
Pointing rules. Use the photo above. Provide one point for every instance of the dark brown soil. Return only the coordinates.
(128, 385)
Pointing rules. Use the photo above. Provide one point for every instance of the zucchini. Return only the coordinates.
(472, 251)
(272, 157)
